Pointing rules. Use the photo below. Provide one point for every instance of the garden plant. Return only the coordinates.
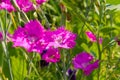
(59, 39)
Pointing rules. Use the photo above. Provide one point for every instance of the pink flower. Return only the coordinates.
(6, 4)
(25, 5)
(83, 61)
(30, 37)
(1, 36)
(51, 55)
(40, 1)
(92, 37)
(61, 38)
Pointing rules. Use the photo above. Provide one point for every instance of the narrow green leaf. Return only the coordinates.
(105, 30)
(19, 68)
(1, 56)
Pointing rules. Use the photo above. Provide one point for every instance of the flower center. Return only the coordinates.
(59, 39)
(32, 39)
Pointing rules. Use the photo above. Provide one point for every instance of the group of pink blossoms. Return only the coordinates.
(34, 38)
(24, 5)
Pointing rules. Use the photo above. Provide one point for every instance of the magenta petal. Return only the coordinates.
(82, 60)
(25, 5)
(1, 36)
(40, 1)
(39, 46)
(91, 67)
(52, 55)
(61, 38)
(30, 37)
(6, 4)
(91, 36)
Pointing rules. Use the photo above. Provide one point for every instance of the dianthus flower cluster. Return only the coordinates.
(24, 5)
(34, 38)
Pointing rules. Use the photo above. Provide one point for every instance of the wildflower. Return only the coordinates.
(61, 38)
(1, 37)
(71, 74)
(92, 37)
(6, 4)
(52, 55)
(83, 61)
(40, 1)
(30, 37)
(25, 5)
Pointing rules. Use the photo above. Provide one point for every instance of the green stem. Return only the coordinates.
(99, 54)
(4, 45)
(82, 76)
(64, 66)
(8, 58)
(58, 70)
(30, 62)
(34, 68)
(100, 25)
(86, 18)
(21, 12)
(43, 14)
(13, 20)
(1, 59)
(107, 45)
(3, 76)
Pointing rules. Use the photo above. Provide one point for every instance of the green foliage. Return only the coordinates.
(113, 1)
(19, 67)
(1, 56)
(102, 17)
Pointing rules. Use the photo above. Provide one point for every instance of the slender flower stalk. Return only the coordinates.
(99, 53)
(22, 12)
(30, 62)
(101, 11)
(12, 17)
(64, 66)
(4, 45)
(44, 16)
